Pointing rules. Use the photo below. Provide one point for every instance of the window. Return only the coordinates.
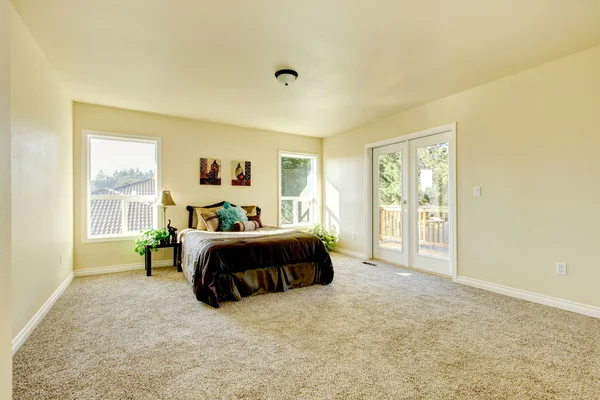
(122, 183)
(298, 188)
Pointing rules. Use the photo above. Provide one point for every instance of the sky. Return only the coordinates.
(113, 155)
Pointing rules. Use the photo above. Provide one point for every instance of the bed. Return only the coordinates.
(231, 265)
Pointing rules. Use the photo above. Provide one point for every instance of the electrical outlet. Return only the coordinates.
(561, 268)
(477, 191)
(353, 236)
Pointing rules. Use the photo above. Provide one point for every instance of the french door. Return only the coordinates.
(412, 203)
(390, 200)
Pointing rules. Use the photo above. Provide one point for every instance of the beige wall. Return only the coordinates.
(5, 317)
(184, 141)
(532, 141)
(42, 177)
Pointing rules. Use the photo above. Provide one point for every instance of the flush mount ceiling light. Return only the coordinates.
(286, 76)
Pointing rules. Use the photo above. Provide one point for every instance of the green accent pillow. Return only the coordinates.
(228, 216)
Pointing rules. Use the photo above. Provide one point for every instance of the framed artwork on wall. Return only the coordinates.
(241, 173)
(210, 171)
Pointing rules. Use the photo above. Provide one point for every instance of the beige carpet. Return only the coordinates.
(374, 333)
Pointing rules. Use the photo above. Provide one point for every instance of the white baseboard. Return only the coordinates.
(39, 315)
(120, 268)
(579, 308)
(350, 253)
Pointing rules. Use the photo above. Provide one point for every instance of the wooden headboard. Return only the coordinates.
(191, 211)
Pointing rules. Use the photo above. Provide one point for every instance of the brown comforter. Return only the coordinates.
(226, 265)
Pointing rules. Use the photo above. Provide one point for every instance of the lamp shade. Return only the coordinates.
(166, 199)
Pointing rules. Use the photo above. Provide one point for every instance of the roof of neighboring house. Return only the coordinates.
(146, 187)
(107, 215)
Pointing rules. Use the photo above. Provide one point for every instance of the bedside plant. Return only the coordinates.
(329, 238)
(150, 237)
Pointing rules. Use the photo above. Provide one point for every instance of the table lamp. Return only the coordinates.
(165, 201)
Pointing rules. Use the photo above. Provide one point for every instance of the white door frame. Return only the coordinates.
(451, 127)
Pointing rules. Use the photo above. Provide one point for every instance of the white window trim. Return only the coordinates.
(317, 186)
(86, 179)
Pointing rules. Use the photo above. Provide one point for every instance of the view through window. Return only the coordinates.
(122, 185)
(298, 200)
(432, 194)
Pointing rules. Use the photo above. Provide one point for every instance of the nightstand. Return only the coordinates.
(176, 256)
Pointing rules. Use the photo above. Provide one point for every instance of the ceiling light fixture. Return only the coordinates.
(286, 76)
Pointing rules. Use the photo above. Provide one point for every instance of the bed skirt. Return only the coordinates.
(236, 285)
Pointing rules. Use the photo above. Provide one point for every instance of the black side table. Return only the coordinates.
(176, 256)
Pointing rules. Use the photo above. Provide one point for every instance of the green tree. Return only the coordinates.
(432, 158)
(390, 179)
(295, 173)
(435, 159)
(119, 178)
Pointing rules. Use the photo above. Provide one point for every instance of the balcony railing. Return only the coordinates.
(297, 210)
(390, 226)
(433, 228)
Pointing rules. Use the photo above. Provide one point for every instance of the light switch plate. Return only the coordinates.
(477, 191)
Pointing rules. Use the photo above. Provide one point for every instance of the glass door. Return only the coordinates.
(431, 205)
(390, 205)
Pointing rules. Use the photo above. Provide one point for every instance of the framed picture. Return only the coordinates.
(210, 171)
(241, 173)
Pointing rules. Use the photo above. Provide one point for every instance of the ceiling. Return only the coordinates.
(357, 60)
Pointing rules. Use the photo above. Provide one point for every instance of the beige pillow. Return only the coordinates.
(200, 224)
(242, 226)
(250, 210)
(211, 220)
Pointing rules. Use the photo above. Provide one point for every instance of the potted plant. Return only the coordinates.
(151, 238)
(329, 238)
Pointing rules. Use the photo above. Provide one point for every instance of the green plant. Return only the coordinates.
(329, 238)
(150, 237)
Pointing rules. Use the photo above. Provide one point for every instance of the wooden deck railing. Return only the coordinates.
(433, 228)
(390, 226)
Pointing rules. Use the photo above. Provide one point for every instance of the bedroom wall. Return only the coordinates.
(5, 283)
(184, 141)
(532, 141)
(42, 177)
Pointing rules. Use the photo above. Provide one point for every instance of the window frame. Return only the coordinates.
(86, 185)
(316, 186)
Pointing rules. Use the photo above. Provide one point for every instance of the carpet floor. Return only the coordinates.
(375, 333)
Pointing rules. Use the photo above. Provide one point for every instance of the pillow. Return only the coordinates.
(242, 226)
(230, 215)
(256, 218)
(210, 220)
(250, 210)
(200, 225)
